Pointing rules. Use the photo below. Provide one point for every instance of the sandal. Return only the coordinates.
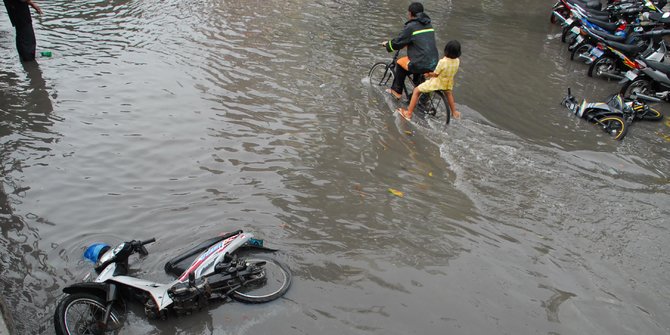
(404, 113)
(394, 93)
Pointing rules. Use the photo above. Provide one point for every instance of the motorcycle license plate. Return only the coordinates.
(596, 52)
(631, 75)
(569, 21)
(579, 39)
(575, 30)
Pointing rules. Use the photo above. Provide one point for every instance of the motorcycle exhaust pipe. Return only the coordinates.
(648, 98)
(612, 75)
(585, 58)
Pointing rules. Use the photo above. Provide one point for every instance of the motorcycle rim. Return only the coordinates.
(82, 314)
(271, 283)
(613, 125)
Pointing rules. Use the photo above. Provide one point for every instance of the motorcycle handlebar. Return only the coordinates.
(152, 240)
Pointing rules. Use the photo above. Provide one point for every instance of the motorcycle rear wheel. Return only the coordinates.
(272, 282)
(602, 65)
(651, 114)
(82, 314)
(580, 49)
(639, 85)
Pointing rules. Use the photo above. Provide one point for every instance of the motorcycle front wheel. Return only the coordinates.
(613, 125)
(82, 314)
(271, 283)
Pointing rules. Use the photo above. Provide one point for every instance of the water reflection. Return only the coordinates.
(26, 136)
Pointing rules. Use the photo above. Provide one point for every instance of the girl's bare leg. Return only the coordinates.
(452, 105)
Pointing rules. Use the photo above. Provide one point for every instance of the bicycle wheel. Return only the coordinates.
(435, 105)
(613, 125)
(381, 74)
(82, 314)
(271, 283)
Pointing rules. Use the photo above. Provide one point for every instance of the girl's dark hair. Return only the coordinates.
(415, 8)
(452, 49)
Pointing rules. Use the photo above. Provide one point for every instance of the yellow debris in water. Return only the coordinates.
(430, 174)
(396, 192)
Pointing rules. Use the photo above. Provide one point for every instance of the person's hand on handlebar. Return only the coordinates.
(385, 43)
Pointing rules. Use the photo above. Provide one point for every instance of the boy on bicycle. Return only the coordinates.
(441, 79)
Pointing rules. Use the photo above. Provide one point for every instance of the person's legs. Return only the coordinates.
(401, 72)
(19, 15)
(407, 113)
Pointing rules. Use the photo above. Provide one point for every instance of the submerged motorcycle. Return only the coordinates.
(616, 115)
(216, 269)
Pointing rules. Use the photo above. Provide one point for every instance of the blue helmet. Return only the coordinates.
(94, 251)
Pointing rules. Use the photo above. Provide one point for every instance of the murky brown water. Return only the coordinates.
(182, 119)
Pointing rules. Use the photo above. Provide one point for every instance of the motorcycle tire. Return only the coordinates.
(639, 85)
(613, 125)
(561, 10)
(650, 114)
(273, 283)
(564, 34)
(601, 65)
(89, 306)
(580, 49)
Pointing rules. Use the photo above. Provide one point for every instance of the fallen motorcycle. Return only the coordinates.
(616, 115)
(216, 269)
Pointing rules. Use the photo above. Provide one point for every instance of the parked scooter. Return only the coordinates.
(211, 270)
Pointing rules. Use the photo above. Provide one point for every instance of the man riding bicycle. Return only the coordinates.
(418, 36)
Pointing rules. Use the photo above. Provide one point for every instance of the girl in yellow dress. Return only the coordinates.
(441, 79)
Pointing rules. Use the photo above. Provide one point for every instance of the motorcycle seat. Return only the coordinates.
(592, 4)
(598, 13)
(662, 67)
(629, 50)
(607, 36)
(180, 263)
(609, 26)
(660, 17)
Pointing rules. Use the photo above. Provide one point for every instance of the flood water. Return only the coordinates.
(182, 119)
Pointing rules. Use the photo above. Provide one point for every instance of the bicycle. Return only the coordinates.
(433, 104)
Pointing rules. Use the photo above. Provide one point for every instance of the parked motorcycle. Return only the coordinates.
(647, 78)
(213, 270)
(611, 60)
